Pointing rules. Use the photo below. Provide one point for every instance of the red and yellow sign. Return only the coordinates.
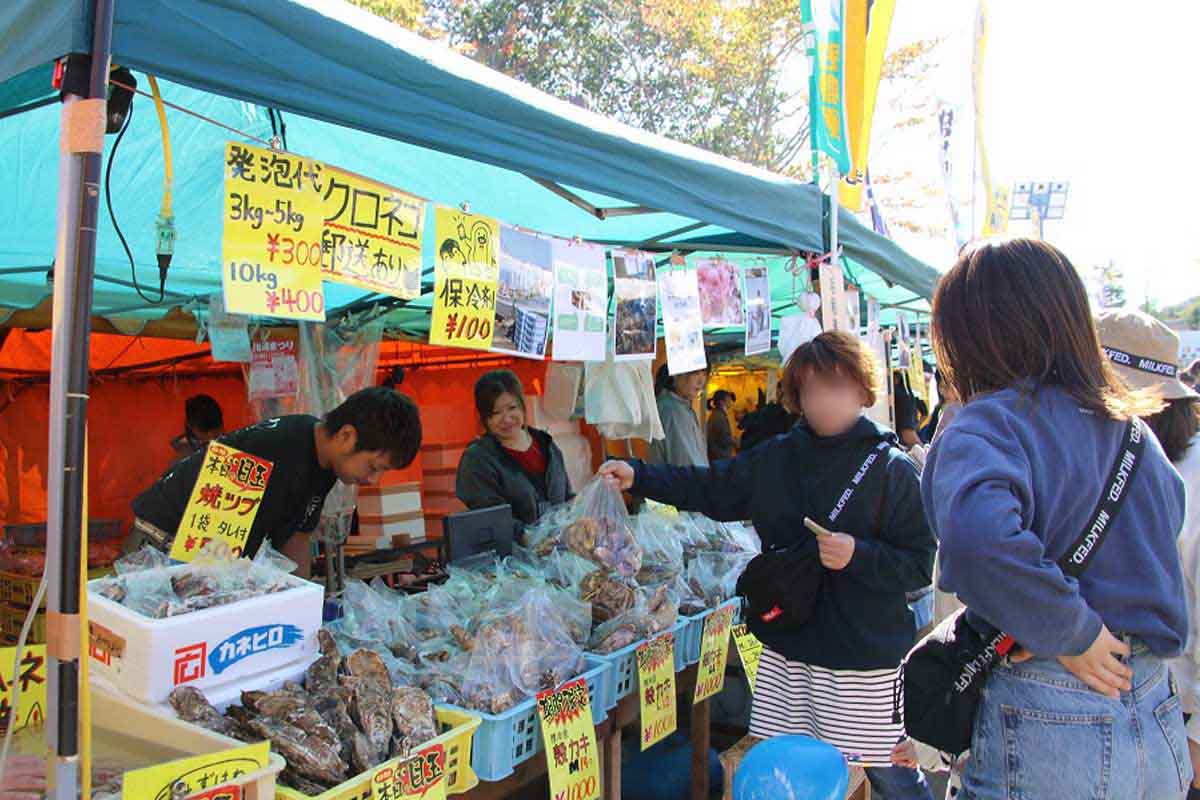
(467, 274)
(211, 773)
(714, 648)
(271, 236)
(749, 650)
(656, 676)
(30, 675)
(571, 754)
(223, 505)
(418, 777)
(372, 235)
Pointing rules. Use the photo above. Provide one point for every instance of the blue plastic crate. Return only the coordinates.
(505, 740)
(623, 676)
(693, 635)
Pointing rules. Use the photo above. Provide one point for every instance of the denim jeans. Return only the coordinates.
(1042, 733)
(898, 783)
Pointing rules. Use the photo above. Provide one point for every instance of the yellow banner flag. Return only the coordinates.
(271, 235)
(467, 273)
(872, 21)
(996, 221)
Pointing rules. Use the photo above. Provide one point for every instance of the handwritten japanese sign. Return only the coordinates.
(196, 774)
(714, 647)
(571, 755)
(31, 676)
(418, 777)
(749, 650)
(372, 235)
(467, 273)
(223, 504)
(656, 681)
(271, 236)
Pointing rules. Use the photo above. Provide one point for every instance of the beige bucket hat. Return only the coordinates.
(1144, 351)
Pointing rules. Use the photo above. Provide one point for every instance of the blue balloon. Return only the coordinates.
(792, 768)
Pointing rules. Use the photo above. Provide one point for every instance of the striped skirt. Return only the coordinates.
(850, 710)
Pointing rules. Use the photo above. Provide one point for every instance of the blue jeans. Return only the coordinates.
(898, 783)
(1042, 733)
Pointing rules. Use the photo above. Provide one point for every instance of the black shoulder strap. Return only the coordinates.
(874, 456)
(1129, 458)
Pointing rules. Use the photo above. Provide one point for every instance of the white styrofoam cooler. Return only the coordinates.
(208, 649)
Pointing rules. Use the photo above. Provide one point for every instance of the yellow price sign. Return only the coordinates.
(714, 647)
(223, 504)
(371, 236)
(271, 234)
(195, 775)
(466, 278)
(30, 676)
(572, 757)
(656, 681)
(749, 650)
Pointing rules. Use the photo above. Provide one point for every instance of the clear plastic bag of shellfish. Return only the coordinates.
(600, 530)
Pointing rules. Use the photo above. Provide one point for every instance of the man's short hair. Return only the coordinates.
(384, 419)
(203, 413)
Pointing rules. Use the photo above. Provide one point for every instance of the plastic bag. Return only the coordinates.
(144, 559)
(600, 530)
(610, 595)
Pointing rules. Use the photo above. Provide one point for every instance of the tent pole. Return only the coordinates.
(78, 207)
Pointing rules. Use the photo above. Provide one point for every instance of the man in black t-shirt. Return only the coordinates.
(375, 430)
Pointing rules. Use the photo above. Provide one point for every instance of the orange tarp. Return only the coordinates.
(133, 415)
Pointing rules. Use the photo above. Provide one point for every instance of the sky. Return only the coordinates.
(1072, 92)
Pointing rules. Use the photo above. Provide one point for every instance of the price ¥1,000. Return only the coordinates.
(581, 790)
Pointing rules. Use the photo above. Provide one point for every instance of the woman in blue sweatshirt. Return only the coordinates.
(1085, 708)
(832, 676)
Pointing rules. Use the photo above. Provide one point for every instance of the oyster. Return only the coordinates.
(413, 715)
(368, 665)
(306, 755)
(369, 708)
(192, 706)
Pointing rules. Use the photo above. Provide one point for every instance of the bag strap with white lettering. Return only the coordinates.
(1084, 549)
(874, 456)
(1129, 458)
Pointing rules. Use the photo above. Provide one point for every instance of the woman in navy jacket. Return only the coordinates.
(832, 677)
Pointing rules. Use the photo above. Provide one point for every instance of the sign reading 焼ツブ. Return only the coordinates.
(656, 680)
(271, 236)
(570, 738)
(372, 235)
(466, 276)
(223, 504)
(189, 776)
(714, 647)
(30, 675)
(749, 650)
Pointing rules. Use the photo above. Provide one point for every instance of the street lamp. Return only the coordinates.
(1039, 201)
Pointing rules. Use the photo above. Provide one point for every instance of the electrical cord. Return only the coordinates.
(113, 216)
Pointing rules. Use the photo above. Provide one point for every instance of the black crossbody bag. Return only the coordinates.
(945, 673)
(781, 585)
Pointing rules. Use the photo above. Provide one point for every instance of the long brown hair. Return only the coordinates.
(1175, 426)
(1015, 310)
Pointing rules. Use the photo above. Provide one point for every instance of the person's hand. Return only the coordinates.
(617, 474)
(1099, 667)
(904, 754)
(918, 453)
(24, 778)
(837, 549)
